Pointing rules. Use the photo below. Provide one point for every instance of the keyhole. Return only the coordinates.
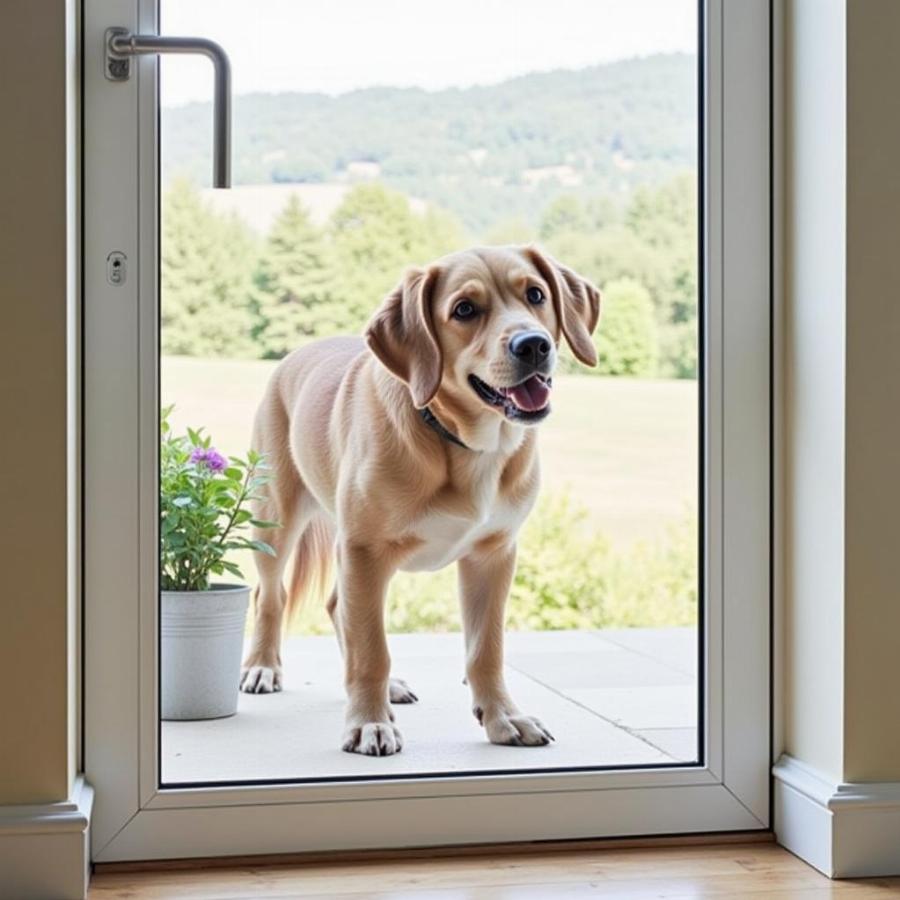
(115, 268)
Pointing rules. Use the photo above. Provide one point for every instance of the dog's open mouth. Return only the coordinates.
(528, 401)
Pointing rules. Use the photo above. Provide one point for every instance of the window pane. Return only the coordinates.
(383, 138)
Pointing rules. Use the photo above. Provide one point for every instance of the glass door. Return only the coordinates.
(612, 623)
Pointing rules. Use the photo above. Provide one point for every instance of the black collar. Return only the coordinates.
(432, 421)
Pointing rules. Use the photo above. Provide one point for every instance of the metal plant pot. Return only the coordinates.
(201, 640)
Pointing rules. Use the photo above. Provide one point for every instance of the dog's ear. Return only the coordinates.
(401, 334)
(576, 301)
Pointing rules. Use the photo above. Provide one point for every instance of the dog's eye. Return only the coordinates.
(464, 310)
(534, 295)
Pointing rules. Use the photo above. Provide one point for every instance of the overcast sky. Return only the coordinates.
(337, 45)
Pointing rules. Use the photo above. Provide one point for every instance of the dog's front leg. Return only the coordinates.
(363, 577)
(484, 582)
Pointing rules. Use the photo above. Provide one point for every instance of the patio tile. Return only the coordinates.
(295, 734)
(679, 743)
(557, 642)
(609, 667)
(637, 708)
(676, 647)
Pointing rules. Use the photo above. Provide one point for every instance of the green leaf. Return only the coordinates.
(263, 547)
(263, 523)
(232, 568)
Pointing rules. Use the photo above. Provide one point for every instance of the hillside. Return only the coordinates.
(491, 155)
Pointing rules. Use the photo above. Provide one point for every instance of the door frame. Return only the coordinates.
(133, 817)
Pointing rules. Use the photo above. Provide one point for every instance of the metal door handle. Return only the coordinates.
(121, 45)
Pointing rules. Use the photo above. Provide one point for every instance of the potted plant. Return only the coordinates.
(203, 517)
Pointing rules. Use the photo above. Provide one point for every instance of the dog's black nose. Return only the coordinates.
(530, 346)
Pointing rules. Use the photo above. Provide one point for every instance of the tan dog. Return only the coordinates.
(411, 454)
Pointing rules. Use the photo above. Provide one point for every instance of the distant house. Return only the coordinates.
(565, 175)
(363, 170)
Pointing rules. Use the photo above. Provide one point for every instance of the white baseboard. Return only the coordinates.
(844, 830)
(45, 849)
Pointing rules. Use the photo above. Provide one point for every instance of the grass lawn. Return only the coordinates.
(626, 448)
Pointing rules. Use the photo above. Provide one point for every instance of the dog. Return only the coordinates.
(409, 449)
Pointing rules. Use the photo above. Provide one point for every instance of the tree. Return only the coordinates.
(376, 236)
(223, 295)
(678, 350)
(509, 231)
(665, 219)
(206, 266)
(295, 284)
(627, 340)
(564, 214)
(665, 213)
(654, 244)
(611, 253)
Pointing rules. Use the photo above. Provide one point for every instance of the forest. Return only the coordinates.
(597, 166)
(489, 155)
(228, 293)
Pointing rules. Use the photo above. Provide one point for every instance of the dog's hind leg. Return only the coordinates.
(398, 690)
(284, 500)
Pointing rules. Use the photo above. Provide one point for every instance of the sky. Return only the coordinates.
(334, 46)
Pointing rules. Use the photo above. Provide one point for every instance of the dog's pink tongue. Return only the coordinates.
(530, 395)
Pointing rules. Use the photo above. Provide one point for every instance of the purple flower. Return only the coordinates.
(209, 457)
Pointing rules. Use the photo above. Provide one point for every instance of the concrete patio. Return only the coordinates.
(611, 698)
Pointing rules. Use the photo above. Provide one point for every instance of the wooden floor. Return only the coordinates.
(738, 870)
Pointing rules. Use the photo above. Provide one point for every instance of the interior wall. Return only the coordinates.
(37, 283)
(814, 33)
(872, 608)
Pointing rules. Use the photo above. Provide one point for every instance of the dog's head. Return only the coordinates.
(482, 328)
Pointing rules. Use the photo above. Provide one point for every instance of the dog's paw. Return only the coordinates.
(260, 680)
(516, 730)
(373, 739)
(401, 692)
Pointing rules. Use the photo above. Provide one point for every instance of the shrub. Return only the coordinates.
(678, 349)
(559, 579)
(561, 570)
(627, 339)
(568, 576)
(655, 584)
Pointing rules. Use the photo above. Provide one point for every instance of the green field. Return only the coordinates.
(625, 448)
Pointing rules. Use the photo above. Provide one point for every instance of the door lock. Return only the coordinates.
(115, 268)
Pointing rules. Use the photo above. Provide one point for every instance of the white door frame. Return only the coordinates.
(133, 817)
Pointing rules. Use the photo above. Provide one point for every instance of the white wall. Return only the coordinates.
(841, 655)
(813, 343)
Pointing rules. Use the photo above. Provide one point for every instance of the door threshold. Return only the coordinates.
(710, 839)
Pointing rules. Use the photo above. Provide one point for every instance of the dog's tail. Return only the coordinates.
(312, 570)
